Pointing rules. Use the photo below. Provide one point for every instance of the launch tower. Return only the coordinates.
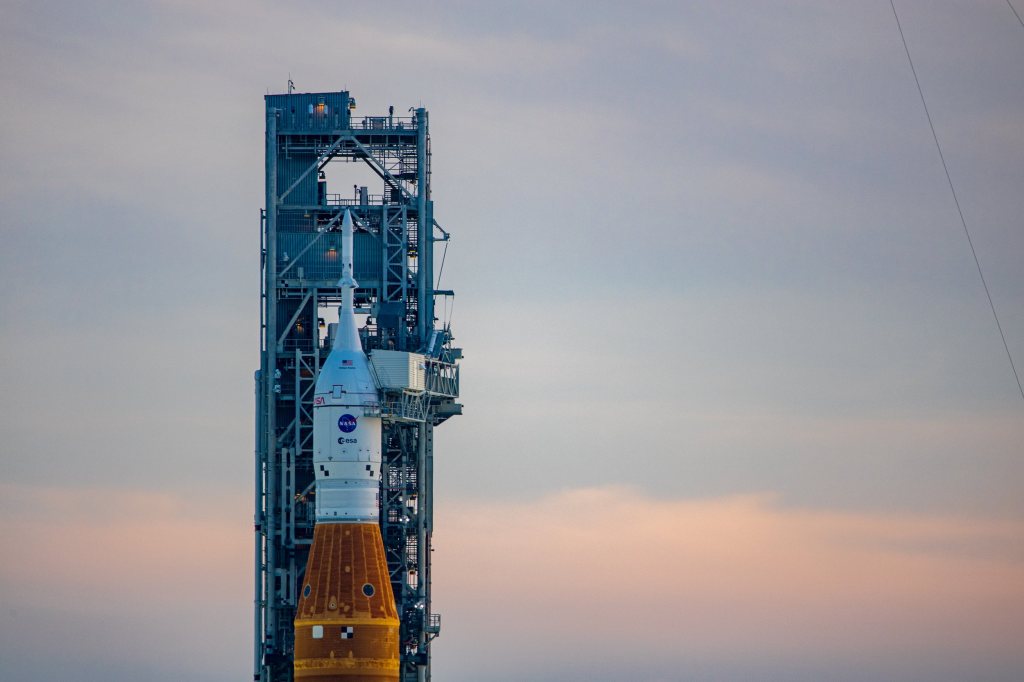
(413, 362)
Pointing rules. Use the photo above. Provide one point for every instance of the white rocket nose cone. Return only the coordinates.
(348, 280)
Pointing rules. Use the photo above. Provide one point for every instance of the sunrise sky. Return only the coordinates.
(736, 404)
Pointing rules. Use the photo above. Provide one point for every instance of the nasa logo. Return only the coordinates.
(347, 423)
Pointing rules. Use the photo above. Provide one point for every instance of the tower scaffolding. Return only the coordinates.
(393, 259)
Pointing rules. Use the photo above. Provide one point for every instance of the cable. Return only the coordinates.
(1015, 12)
(441, 269)
(956, 201)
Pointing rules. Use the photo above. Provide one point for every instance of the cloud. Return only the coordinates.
(867, 404)
(119, 581)
(646, 588)
(593, 583)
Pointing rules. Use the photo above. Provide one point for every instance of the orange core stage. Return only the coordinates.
(346, 625)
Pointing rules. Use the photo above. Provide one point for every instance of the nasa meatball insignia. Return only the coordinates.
(347, 423)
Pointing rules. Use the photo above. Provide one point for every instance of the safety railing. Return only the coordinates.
(442, 379)
(337, 200)
(384, 123)
(408, 407)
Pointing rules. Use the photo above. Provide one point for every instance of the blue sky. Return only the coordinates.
(708, 273)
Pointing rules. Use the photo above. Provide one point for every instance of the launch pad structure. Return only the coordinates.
(416, 366)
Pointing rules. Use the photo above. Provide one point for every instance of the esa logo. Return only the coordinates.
(347, 423)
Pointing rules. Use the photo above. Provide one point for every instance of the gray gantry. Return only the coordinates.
(306, 135)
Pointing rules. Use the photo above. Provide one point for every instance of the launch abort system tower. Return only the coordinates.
(309, 136)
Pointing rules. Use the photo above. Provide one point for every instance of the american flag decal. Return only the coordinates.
(346, 363)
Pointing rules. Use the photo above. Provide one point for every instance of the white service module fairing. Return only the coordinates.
(346, 421)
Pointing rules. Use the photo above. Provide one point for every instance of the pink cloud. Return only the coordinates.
(734, 576)
(128, 583)
(85, 546)
(602, 575)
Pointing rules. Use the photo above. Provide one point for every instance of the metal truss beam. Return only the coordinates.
(314, 166)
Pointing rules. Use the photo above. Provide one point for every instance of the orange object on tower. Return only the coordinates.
(346, 627)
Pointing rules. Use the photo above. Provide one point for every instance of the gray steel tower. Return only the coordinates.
(414, 362)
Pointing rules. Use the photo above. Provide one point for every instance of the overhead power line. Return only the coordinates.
(956, 201)
(1015, 12)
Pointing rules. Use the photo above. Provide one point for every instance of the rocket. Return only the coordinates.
(346, 624)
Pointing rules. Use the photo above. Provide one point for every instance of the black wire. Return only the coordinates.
(1015, 12)
(949, 179)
